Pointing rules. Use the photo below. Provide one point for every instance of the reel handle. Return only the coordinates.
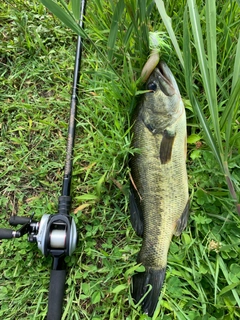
(15, 220)
(7, 234)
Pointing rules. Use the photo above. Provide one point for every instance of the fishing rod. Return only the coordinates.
(56, 234)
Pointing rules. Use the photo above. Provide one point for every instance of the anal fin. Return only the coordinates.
(182, 221)
(136, 215)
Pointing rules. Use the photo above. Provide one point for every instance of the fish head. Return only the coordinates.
(162, 104)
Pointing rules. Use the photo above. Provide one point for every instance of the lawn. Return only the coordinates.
(36, 69)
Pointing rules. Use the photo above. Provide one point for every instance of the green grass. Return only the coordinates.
(36, 65)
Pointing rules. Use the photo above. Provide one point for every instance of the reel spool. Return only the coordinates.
(58, 233)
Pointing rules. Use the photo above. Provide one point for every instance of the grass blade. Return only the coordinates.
(212, 58)
(229, 114)
(225, 272)
(232, 103)
(189, 85)
(236, 68)
(114, 27)
(142, 21)
(211, 43)
(76, 8)
(187, 54)
(197, 33)
(168, 24)
(63, 16)
(212, 67)
(216, 276)
(208, 77)
(207, 132)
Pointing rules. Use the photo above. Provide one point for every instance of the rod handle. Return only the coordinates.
(56, 293)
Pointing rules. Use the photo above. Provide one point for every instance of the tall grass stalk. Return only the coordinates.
(219, 128)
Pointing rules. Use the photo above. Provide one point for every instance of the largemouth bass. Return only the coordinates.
(159, 200)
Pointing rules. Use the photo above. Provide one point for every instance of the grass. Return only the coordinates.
(37, 57)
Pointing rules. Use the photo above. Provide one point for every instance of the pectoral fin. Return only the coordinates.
(182, 221)
(136, 214)
(166, 146)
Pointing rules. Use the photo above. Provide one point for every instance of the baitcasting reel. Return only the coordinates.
(55, 234)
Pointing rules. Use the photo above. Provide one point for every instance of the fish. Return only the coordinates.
(159, 197)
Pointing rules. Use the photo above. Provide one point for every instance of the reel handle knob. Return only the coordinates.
(7, 234)
(15, 220)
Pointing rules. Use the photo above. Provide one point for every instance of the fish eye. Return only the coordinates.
(152, 86)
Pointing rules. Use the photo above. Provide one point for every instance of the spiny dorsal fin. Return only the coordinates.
(166, 146)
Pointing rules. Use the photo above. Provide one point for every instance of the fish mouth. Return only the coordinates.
(166, 80)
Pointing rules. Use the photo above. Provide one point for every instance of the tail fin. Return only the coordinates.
(141, 282)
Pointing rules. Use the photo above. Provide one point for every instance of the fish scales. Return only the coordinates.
(159, 187)
(160, 179)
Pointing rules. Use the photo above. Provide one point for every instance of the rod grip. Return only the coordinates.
(15, 220)
(56, 293)
(6, 234)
